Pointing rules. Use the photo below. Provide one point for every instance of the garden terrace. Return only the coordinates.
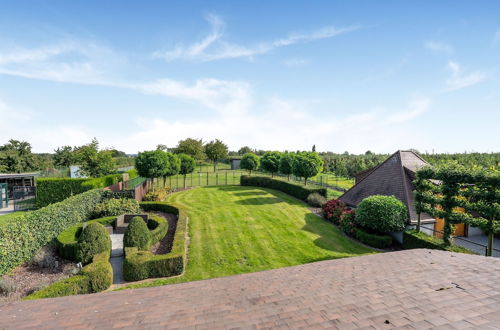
(413, 288)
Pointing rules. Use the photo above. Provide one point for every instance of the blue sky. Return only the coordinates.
(355, 76)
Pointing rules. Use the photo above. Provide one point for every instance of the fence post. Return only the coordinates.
(216, 179)
(207, 178)
(177, 181)
(226, 178)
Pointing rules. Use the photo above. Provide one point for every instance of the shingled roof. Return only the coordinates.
(394, 177)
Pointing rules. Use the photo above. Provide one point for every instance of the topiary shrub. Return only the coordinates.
(116, 207)
(93, 240)
(137, 234)
(381, 214)
(99, 273)
(333, 209)
(316, 200)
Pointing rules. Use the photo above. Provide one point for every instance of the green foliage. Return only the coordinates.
(67, 241)
(158, 227)
(316, 200)
(270, 162)
(191, 147)
(139, 265)
(93, 240)
(347, 223)
(381, 214)
(173, 165)
(137, 234)
(377, 241)
(244, 150)
(286, 163)
(306, 165)
(16, 157)
(22, 238)
(94, 162)
(294, 190)
(215, 151)
(333, 209)
(116, 207)
(95, 277)
(64, 156)
(250, 162)
(151, 164)
(188, 164)
(53, 190)
(158, 195)
(418, 240)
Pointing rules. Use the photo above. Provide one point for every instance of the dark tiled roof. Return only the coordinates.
(412, 289)
(391, 178)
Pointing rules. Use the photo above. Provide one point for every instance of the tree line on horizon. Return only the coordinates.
(16, 156)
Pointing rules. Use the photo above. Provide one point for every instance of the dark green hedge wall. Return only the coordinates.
(289, 188)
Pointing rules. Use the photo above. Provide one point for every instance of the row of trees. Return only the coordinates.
(215, 150)
(460, 195)
(301, 164)
(162, 164)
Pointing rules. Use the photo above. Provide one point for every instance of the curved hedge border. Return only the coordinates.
(95, 277)
(22, 238)
(158, 227)
(67, 241)
(139, 265)
(289, 188)
(53, 190)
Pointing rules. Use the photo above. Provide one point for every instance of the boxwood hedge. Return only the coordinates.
(377, 241)
(289, 188)
(139, 265)
(53, 190)
(20, 239)
(95, 277)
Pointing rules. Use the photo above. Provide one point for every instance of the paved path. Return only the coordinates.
(479, 239)
(413, 289)
(116, 259)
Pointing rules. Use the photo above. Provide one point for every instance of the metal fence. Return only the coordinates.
(471, 245)
(24, 198)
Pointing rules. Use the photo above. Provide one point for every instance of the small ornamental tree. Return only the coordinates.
(307, 165)
(270, 162)
(381, 214)
(215, 151)
(187, 165)
(93, 240)
(286, 163)
(172, 166)
(250, 162)
(151, 164)
(137, 234)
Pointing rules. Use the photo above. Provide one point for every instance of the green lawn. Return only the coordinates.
(236, 230)
(9, 217)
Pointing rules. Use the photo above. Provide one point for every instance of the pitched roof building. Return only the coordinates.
(394, 177)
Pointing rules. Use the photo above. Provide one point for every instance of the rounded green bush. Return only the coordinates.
(93, 240)
(137, 234)
(381, 214)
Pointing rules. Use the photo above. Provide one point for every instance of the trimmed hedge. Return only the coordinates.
(381, 214)
(93, 240)
(377, 241)
(289, 188)
(137, 234)
(139, 265)
(117, 206)
(95, 277)
(158, 227)
(419, 240)
(67, 241)
(53, 190)
(21, 239)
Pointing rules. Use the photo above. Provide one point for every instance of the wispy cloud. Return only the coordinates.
(439, 47)
(496, 37)
(415, 109)
(213, 46)
(460, 79)
(296, 62)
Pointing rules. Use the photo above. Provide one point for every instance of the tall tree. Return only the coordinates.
(16, 156)
(191, 147)
(244, 150)
(187, 165)
(314, 148)
(215, 151)
(286, 163)
(172, 166)
(64, 156)
(152, 164)
(250, 162)
(270, 162)
(94, 162)
(307, 165)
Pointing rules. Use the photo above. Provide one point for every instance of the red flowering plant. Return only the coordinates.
(347, 224)
(333, 209)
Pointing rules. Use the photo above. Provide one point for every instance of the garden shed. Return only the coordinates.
(17, 180)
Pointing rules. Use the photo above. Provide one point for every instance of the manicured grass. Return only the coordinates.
(236, 230)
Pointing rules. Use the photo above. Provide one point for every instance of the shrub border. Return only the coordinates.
(139, 265)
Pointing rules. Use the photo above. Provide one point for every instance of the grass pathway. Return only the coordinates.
(236, 230)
